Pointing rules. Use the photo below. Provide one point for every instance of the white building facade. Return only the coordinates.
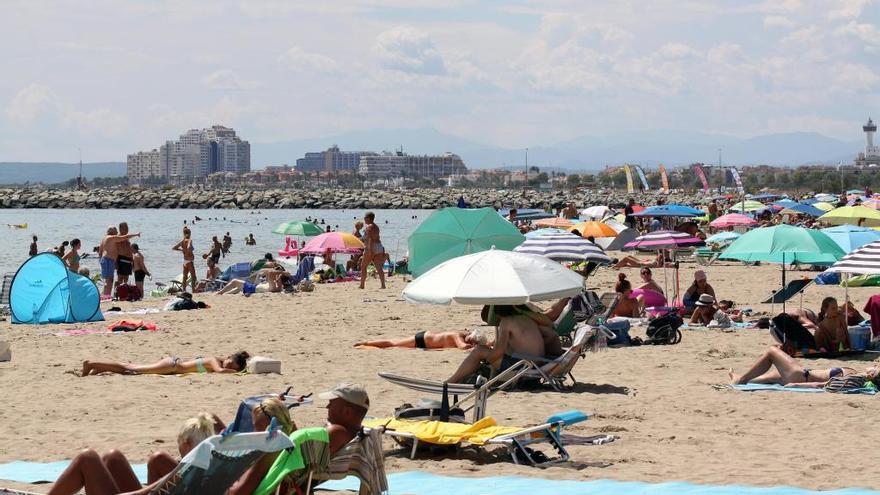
(198, 153)
(390, 165)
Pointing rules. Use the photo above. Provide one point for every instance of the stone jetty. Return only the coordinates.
(322, 198)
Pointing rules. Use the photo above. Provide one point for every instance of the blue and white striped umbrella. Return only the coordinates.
(563, 247)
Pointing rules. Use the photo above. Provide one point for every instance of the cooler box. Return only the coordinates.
(260, 364)
(859, 337)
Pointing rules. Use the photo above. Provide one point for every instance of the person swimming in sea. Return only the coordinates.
(170, 366)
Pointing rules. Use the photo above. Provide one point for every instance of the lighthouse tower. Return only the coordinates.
(871, 156)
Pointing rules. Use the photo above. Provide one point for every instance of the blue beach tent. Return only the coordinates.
(45, 291)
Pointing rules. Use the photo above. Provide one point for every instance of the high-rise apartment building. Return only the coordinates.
(196, 154)
(144, 165)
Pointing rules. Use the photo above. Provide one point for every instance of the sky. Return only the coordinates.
(111, 77)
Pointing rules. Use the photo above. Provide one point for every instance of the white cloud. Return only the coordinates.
(298, 59)
(848, 9)
(854, 77)
(778, 21)
(677, 50)
(31, 103)
(409, 50)
(866, 33)
(226, 79)
(101, 122)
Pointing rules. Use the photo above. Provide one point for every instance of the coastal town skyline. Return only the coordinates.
(509, 75)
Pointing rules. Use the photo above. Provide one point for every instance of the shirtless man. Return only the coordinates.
(515, 332)
(140, 268)
(429, 340)
(570, 212)
(275, 280)
(108, 251)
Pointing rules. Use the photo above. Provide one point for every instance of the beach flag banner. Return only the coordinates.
(736, 179)
(642, 177)
(664, 179)
(629, 179)
(698, 170)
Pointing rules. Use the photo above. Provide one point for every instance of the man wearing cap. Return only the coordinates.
(347, 406)
(697, 289)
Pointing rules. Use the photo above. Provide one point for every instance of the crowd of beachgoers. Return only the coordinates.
(671, 234)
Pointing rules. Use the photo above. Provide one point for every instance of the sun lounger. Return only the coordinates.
(557, 371)
(705, 256)
(216, 463)
(486, 432)
(363, 458)
(793, 288)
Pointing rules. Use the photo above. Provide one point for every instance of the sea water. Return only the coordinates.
(162, 229)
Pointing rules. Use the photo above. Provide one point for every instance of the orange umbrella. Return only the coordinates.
(595, 229)
(554, 222)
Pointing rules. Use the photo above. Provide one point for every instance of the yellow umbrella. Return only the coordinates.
(823, 206)
(852, 215)
(554, 222)
(595, 229)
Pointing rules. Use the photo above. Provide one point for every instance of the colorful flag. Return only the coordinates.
(642, 177)
(664, 179)
(736, 178)
(698, 170)
(629, 179)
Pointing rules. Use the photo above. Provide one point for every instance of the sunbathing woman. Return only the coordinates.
(170, 366)
(633, 262)
(429, 340)
(627, 305)
(790, 373)
(112, 474)
(276, 279)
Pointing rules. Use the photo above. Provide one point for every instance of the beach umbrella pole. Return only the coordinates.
(783, 281)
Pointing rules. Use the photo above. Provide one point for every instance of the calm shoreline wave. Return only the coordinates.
(162, 229)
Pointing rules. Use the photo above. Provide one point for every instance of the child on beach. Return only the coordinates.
(170, 366)
(140, 269)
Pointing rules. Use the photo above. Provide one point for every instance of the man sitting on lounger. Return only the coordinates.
(515, 333)
(429, 340)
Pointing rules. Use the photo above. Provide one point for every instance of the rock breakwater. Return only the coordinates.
(324, 198)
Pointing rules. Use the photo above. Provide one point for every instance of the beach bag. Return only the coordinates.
(845, 383)
(620, 328)
(665, 329)
(128, 293)
(305, 285)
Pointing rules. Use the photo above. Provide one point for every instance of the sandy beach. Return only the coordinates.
(672, 423)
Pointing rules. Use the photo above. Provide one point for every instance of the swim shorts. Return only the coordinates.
(249, 288)
(420, 340)
(108, 267)
(139, 275)
(124, 265)
(506, 362)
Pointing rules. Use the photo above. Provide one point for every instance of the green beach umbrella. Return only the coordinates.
(452, 232)
(784, 244)
(746, 206)
(298, 228)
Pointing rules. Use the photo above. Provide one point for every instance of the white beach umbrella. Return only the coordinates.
(596, 212)
(494, 277)
(863, 261)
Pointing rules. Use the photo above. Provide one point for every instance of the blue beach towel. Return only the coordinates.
(753, 387)
(47, 472)
(419, 483)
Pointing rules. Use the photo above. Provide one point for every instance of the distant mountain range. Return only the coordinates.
(584, 153)
(581, 154)
(53, 172)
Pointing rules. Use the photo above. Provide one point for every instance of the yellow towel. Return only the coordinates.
(440, 433)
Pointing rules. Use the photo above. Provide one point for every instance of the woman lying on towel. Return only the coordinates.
(431, 340)
(171, 366)
(790, 373)
(111, 473)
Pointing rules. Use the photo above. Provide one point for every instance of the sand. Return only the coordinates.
(672, 424)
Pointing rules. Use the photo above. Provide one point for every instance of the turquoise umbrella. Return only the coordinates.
(298, 228)
(784, 244)
(452, 232)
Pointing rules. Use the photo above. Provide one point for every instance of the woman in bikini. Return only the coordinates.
(627, 305)
(189, 265)
(790, 373)
(429, 340)
(111, 473)
(72, 257)
(374, 251)
(170, 366)
(831, 333)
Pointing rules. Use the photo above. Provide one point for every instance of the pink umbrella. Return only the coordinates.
(872, 203)
(732, 220)
(664, 239)
(336, 242)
